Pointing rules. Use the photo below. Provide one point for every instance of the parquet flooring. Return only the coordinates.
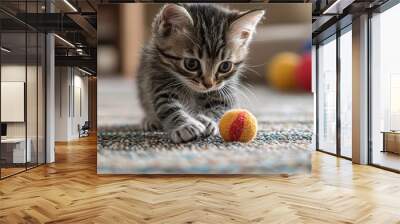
(70, 191)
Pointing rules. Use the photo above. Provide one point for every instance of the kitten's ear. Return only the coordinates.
(243, 27)
(174, 16)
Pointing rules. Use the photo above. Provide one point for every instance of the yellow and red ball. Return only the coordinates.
(303, 73)
(281, 71)
(238, 125)
(288, 71)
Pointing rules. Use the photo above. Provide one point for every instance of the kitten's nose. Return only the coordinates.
(207, 83)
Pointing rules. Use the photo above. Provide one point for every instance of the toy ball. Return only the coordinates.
(238, 125)
(303, 73)
(281, 71)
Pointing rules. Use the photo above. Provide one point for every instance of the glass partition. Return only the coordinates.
(14, 153)
(22, 77)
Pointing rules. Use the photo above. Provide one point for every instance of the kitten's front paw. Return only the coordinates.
(151, 125)
(211, 126)
(187, 132)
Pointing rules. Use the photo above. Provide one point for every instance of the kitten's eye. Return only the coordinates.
(191, 64)
(225, 67)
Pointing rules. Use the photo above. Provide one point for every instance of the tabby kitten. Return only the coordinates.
(190, 67)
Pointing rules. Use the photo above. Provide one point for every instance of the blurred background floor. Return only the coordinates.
(118, 103)
(282, 144)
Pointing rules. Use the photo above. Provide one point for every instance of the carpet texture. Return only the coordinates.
(282, 145)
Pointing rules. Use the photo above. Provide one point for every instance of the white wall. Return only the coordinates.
(70, 83)
(80, 109)
(62, 81)
(12, 73)
(12, 100)
(33, 126)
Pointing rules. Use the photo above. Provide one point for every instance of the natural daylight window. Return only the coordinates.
(346, 93)
(327, 96)
(385, 89)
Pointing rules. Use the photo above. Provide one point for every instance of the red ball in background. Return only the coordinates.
(303, 73)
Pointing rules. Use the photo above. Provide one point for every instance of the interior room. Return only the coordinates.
(60, 58)
(337, 85)
(22, 100)
(25, 92)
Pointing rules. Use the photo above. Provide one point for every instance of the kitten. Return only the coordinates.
(190, 67)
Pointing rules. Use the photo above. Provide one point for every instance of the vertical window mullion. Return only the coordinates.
(0, 94)
(37, 90)
(26, 86)
(317, 108)
(369, 77)
(338, 80)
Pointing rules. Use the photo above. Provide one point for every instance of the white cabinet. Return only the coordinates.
(16, 150)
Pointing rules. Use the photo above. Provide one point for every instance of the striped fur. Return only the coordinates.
(188, 103)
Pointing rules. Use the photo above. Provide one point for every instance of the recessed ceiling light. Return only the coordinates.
(70, 5)
(337, 7)
(84, 71)
(65, 41)
(5, 50)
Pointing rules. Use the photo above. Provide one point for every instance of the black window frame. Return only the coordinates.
(30, 29)
(332, 33)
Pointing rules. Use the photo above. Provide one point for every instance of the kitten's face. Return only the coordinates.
(203, 45)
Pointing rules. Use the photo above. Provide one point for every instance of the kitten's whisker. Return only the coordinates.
(244, 96)
(241, 88)
(250, 92)
(224, 95)
(176, 85)
(253, 71)
(229, 96)
(254, 66)
(248, 87)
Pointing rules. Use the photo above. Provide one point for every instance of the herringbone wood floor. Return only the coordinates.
(69, 191)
